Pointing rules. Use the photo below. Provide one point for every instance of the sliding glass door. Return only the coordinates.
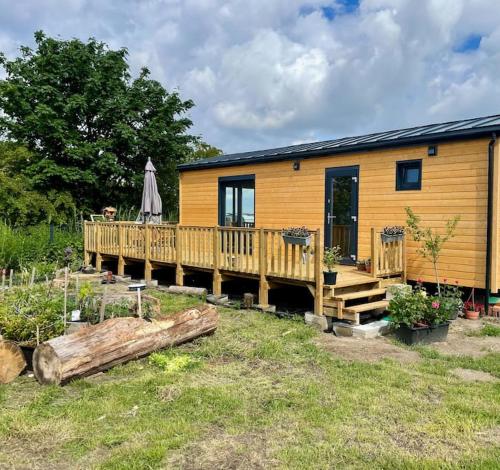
(237, 201)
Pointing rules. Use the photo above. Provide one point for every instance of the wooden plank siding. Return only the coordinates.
(453, 182)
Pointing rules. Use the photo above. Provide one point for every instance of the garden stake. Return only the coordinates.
(65, 296)
(139, 306)
(11, 276)
(32, 280)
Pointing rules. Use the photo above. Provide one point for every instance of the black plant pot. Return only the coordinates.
(330, 278)
(423, 335)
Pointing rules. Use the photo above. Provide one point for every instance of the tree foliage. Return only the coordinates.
(89, 127)
(431, 241)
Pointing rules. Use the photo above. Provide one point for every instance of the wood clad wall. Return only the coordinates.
(495, 239)
(454, 182)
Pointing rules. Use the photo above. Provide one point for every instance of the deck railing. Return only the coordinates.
(245, 250)
(252, 251)
(387, 258)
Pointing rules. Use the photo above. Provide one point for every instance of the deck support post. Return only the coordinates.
(148, 269)
(318, 274)
(179, 272)
(374, 249)
(98, 256)
(263, 284)
(217, 278)
(121, 261)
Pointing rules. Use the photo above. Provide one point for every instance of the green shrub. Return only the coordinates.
(22, 248)
(25, 310)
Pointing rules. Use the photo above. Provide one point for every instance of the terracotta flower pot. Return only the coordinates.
(471, 315)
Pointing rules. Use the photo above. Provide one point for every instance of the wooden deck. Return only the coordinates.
(256, 253)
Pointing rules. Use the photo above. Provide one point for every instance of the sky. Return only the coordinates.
(268, 73)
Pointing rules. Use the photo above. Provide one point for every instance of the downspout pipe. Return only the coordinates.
(489, 225)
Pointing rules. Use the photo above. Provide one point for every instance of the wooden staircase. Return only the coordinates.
(355, 298)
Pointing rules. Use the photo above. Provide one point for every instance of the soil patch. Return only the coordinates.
(460, 343)
(366, 350)
(470, 375)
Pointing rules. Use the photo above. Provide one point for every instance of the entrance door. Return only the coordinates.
(341, 218)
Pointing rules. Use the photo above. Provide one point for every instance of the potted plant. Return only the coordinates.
(331, 257)
(451, 295)
(368, 265)
(296, 236)
(361, 265)
(392, 233)
(419, 318)
(472, 308)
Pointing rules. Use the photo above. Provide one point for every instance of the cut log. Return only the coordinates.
(116, 341)
(12, 361)
(187, 290)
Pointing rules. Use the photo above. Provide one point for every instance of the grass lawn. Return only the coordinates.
(261, 392)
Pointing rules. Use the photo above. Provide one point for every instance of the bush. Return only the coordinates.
(415, 308)
(22, 248)
(26, 310)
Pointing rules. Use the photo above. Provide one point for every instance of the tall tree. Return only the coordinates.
(89, 126)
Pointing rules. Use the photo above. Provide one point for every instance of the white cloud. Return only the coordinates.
(268, 73)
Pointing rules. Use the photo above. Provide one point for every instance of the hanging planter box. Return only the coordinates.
(303, 241)
(391, 238)
(423, 335)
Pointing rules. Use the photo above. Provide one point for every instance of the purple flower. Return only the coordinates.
(435, 304)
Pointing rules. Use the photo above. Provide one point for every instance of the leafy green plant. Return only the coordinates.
(408, 307)
(414, 307)
(431, 242)
(171, 363)
(332, 256)
(31, 312)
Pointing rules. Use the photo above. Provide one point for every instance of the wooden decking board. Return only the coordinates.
(359, 295)
(367, 307)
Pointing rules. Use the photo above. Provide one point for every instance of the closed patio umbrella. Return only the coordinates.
(151, 201)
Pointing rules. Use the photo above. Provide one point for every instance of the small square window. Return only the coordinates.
(409, 175)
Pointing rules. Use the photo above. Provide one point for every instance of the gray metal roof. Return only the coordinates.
(432, 133)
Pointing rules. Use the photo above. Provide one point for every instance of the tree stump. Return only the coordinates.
(116, 341)
(12, 361)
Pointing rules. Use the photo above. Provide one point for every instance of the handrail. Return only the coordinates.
(249, 250)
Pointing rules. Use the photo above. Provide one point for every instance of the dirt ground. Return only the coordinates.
(459, 343)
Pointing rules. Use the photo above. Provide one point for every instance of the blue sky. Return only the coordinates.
(268, 73)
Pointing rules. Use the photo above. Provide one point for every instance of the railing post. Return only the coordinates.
(263, 284)
(374, 253)
(179, 272)
(318, 274)
(121, 261)
(217, 279)
(98, 256)
(147, 253)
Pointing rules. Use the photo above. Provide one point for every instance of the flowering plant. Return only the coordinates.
(393, 230)
(415, 308)
(296, 232)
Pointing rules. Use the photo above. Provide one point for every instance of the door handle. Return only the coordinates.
(331, 217)
(354, 218)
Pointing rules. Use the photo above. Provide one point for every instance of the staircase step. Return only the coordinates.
(359, 295)
(366, 307)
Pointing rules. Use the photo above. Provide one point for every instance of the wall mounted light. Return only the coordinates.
(296, 165)
(432, 151)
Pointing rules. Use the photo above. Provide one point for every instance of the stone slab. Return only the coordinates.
(322, 322)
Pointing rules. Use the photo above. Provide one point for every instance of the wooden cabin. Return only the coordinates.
(233, 208)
